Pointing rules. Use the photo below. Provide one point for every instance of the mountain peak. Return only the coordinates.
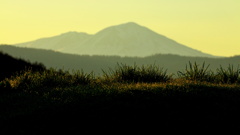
(124, 30)
(129, 24)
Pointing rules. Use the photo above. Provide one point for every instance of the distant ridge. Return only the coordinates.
(128, 39)
(58, 60)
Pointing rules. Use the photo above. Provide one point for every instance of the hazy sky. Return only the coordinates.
(211, 26)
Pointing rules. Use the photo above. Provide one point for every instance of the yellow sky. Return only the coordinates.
(211, 26)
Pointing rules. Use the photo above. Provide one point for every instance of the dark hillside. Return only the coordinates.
(9, 66)
(57, 102)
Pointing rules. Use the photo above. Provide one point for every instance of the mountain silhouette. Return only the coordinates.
(57, 43)
(129, 39)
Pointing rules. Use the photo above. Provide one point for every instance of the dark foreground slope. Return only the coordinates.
(10, 66)
(134, 111)
(60, 103)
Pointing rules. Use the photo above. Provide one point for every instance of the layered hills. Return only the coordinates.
(126, 40)
(172, 63)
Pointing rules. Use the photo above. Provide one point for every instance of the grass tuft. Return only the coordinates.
(196, 72)
(228, 75)
(135, 74)
(49, 78)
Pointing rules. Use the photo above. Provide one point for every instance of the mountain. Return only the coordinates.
(129, 39)
(173, 63)
(58, 43)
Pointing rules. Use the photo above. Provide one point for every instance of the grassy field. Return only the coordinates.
(125, 100)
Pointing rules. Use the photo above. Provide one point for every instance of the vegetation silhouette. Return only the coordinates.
(147, 74)
(10, 66)
(48, 100)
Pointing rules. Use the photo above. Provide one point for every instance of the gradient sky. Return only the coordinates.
(211, 26)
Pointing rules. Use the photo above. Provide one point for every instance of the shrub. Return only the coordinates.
(228, 75)
(5, 86)
(49, 78)
(197, 73)
(135, 74)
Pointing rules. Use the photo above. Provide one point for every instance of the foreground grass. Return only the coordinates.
(57, 102)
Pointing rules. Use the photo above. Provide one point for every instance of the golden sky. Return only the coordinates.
(211, 26)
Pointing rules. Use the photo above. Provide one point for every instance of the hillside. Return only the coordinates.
(128, 100)
(172, 63)
(57, 102)
(10, 66)
(129, 39)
